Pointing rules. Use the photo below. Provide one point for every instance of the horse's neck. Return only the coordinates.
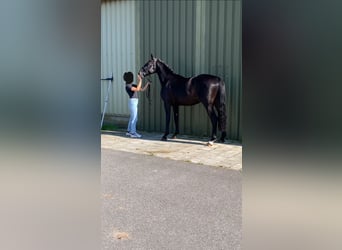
(164, 73)
(162, 79)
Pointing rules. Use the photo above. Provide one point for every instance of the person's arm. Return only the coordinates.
(138, 87)
(146, 85)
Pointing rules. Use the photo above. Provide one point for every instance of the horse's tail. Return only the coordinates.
(222, 110)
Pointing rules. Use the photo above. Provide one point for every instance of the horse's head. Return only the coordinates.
(149, 68)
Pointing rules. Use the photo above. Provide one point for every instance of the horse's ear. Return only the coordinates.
(152, 56)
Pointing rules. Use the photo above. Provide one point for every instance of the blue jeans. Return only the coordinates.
(133, 110)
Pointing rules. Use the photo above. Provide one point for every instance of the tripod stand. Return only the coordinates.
(107, 97)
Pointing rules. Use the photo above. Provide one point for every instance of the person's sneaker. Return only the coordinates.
(128, 133)
(135, 135)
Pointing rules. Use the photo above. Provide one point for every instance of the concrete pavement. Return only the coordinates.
(184, 148)
(156, 203)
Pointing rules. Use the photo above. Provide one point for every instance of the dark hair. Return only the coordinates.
(128, 77)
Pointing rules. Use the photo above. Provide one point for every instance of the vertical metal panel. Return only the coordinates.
(192, 37)
(118, 51)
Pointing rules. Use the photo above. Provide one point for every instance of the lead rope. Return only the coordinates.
(148, 92)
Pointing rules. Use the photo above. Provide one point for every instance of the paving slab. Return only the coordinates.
(184, 148)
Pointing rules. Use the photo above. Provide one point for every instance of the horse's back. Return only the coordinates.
(204, 78)
(204, 82)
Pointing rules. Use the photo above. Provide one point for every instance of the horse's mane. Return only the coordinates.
(168, 68)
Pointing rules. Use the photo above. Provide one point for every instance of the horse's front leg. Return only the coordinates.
(167, 108)
(176, 119)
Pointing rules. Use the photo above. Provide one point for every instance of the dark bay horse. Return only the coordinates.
(178, 90)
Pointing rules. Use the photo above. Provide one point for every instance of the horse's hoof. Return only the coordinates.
(174, 137)
(163, 138)
(210, 143)
(223, 136)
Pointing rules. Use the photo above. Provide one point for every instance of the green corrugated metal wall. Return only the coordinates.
(192, 37)
(118, 51)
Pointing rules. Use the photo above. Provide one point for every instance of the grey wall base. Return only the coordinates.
(120, 121)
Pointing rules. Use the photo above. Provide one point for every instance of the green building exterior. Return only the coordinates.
(192, 37)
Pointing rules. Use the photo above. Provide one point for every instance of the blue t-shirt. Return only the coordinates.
(131, 94)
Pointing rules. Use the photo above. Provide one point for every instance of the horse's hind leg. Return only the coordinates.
(213, 118)
(221, 124)
(176, 119)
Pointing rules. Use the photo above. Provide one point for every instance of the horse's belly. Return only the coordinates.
(187, 101)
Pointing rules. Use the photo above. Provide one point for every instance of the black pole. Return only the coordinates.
(108, 79)
(107, 96)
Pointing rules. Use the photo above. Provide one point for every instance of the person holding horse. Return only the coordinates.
(132, 91)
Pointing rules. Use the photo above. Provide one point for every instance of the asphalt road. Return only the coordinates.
(156, 203)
